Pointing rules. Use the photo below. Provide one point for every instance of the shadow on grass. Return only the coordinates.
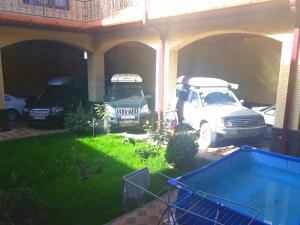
(50, 164)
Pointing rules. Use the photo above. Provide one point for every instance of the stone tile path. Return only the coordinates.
(148, 214)
(17, 133)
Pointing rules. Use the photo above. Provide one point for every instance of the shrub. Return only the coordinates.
(102, 112)
(20, 206)
(158, 132)
(78, 121)
(143, 152)
(180, 150)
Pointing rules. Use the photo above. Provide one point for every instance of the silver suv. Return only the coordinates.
(210, 107)
(127, 104)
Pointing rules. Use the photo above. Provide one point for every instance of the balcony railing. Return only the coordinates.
(76, 10)
(105, 9)
(124, 10)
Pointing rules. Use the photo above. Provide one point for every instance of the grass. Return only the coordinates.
(50, 164)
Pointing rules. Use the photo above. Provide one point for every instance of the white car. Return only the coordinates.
(268, 112)
(14, 106)
(210, 107)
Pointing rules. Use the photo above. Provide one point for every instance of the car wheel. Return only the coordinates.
(207, 137)
(12, 115)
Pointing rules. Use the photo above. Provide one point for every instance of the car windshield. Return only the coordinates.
(126, 91)
(52, 93)
(218, 98)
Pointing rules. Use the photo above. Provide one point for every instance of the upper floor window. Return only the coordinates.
(59, 4)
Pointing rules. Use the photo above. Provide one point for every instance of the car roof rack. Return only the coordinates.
(205, 82)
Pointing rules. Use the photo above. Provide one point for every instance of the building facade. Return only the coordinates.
(254, 42)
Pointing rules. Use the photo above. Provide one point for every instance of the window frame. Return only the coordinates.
(48, 4)
(192, 99)
(267, 112)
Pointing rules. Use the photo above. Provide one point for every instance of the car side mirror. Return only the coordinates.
(242, 102)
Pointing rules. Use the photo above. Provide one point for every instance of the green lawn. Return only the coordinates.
(50, 164)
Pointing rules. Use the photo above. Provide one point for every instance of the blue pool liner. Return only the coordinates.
(207, 206)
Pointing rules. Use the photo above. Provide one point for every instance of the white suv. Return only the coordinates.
(210, 107)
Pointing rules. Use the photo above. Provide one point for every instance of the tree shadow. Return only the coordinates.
(50, 163)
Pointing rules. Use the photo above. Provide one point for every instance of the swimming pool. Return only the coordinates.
(263, 180)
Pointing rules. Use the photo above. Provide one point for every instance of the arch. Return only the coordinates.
(38, 61)
(13, 35)
(109, 45)
(13, 42)
(132, 57)
(251, 60)
(186, 41)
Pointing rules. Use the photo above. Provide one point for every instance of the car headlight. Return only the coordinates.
(57, 109)
(220, 122)
(145, 109)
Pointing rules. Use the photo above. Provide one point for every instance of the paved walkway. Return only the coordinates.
(17, 133)
(148, 214)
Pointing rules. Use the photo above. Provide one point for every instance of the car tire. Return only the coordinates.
(207, 138)
(12, 115)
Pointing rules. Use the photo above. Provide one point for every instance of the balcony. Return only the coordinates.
(107, 12)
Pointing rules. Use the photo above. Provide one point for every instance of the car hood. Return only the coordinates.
(128, 103)
(48, 104)
(222, 111)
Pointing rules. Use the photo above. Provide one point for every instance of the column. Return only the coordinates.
(286, 51)
(1, 85)
(96, 79)
(171, 60)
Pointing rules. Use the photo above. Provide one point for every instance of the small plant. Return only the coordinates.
(143, 152)
(78, 121)
(127, 140)
(84, 172)
(158, 132)
(103, 113)
(180, 150)
(93, 124)
(20, 206)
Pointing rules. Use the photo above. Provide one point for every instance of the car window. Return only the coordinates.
(218, 98)
(51, 94)
(126, 91)
(7, 98)
(193, 99)
(270, 112)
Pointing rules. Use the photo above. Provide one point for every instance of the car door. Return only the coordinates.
(191, 109)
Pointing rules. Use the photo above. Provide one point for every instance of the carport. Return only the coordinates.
(28, 65)
(132, 57)
(251, 61)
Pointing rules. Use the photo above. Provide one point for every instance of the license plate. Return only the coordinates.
(128, 117)
(39, 117)
(248, 132)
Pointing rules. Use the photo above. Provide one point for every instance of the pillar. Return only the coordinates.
(286, 51)
(171, 60)
(1, 85)
(278, 136)
(96, 79)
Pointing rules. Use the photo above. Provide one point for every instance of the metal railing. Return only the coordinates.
(92, 10)
(184, 204)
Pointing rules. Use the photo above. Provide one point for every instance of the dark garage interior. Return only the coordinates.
(27, 66)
